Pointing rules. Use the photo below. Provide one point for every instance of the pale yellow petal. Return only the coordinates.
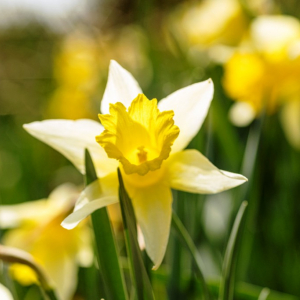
(60, 199)
(63, 272)
(5, 294)
(153, 209)
(192, 172)
(70, 138)
(98, 194)
(121, 87)
(78, 215)
(190, 106)
(14, 215)
(273, 34)
(63, 196)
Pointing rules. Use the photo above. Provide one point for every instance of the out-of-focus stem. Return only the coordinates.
(14, 255)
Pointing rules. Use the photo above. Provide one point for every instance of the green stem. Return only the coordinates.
(143, 288)
(106, 248)
(227, 280)
(14, 255)
(187, 240)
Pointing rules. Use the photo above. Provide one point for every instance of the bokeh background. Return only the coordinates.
(54, 58)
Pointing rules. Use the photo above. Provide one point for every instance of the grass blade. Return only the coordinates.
(188, 242)
(264, 294)
(227, 280)
(105, 244)
(138, 270)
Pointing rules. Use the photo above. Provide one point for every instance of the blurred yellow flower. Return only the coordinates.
(265, 72)
(76, 70)
(80, 68)
(35, 228)
(144, 136)
(210, 25)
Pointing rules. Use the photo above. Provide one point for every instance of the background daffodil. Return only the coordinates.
(148, 140)
(35, 227)
(264, 72)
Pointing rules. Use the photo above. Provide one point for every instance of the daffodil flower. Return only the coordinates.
(264, 73)
(35, 227)
(146, 140)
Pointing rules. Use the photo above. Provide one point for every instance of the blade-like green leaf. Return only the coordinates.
(138, 270)
(227, 280)
(264, 294)
(188, 242)
(105, 244)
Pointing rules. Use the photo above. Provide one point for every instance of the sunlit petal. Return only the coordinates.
(272, 34)
(70, 138)
(153, 209)
(190, 106)
(5, 294)
(121, 87)
(192, 172)
(77, 216)
(64, 274)
(96, 195)
(14, 215)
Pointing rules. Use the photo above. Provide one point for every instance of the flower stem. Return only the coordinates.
(187, 240)
(227, 280)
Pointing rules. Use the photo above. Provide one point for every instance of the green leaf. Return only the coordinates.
(227, 280)
(188, 242)
(105, 244)
(264, 294)
(138, 270)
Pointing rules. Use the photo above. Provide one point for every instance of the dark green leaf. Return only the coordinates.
(105, 244)
(138, 270)
(227, 280)
(188, 242)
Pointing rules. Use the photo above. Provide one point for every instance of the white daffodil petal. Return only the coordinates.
(5, 294)
(192, 172)
(190, 106)
(77, 216)
(103, 187)
(271, 34)
(70, 138)
(153, 209)
(63, 196)
(14, 215)
(120, 87)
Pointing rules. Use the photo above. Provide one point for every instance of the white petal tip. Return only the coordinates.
(68, 225)
(113, 62)
(26, 126)
(240, 179)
